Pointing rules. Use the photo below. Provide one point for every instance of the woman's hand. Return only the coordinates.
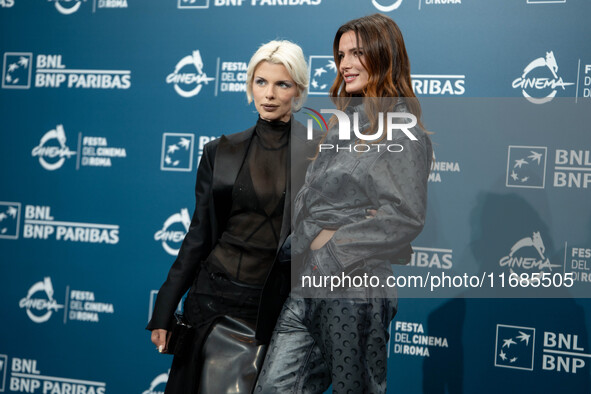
(371, 213)
(160, 338)
(322, 238)
(325, 235)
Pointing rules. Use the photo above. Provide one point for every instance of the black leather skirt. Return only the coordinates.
(225, 357)
(232, 359)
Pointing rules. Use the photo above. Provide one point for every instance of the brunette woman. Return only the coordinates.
(360, 207)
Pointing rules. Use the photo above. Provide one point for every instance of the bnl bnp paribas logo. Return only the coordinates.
(173, 231)
(52, 72)
(16, 73)
(323, 72)
(3, 368)
(201, 4)
(177, 152)
(9, 219)
(561, 352)
(189, 76)
(193, 4)
(514, 347)
(539, 82)
(527, 167)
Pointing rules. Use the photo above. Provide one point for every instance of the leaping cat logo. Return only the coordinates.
(551, 63)
(535, 240)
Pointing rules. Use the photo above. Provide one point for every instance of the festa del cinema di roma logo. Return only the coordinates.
(168, 235)
(533, 86)
(80, 305)
(68, 7)
(158, 384)
(345, 129)
(189, 84)
(40, 309)
(394, 4)
(528, 254)
(386, 8)
(52, 156)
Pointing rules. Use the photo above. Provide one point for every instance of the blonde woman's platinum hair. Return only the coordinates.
(291, 56)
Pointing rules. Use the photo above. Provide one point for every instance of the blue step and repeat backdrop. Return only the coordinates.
(105, 106)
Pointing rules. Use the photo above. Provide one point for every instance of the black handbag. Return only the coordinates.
(181, 337)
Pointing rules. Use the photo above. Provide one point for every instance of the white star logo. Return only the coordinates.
(524, 337)
(535, 156)
(319, 71)
(508, 342)
(519, 163)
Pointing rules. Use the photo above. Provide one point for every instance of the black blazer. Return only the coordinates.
(220, 163)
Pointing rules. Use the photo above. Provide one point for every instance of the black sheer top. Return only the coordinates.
(247, 247)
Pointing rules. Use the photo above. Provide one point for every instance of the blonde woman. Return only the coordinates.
(230, 259)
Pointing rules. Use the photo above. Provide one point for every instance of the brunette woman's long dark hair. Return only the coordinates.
(386, 61)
